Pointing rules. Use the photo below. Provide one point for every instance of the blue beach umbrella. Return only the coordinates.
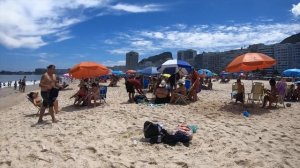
(150, 71)
(118, 73)
(174, 66)
(205, 72)
(291, 72)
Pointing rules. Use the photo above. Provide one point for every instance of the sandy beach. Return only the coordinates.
(111, 135)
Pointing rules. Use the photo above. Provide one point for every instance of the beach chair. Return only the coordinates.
(187, 84)
(257, 92)
(31, 101)
(181, 99)
(103, 91)
(146, 83)
(280, 100)
(235, 90)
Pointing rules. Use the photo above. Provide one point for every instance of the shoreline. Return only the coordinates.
(10, 97)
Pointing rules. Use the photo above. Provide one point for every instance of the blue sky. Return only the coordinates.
(36, 33)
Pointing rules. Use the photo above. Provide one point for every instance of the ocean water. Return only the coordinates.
(29, 79)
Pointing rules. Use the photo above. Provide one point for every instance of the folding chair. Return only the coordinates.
(187, 84)
(280, 100)
(181, 98)
(146, 83)
(235, 90)
(29, 99)
(103, 91)
(257, 92)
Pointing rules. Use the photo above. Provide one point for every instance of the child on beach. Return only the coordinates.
(94, 94)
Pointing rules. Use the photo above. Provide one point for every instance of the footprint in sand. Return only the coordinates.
(182, 164)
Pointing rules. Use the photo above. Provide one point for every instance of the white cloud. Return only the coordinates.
(136, 8)
(35, 23)
(296, 9)
(114, 63)
(202, 37)
(25, 23)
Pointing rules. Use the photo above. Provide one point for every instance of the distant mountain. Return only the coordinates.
(156, 59)
(292, 39)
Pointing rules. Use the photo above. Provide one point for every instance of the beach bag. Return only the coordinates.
(140, 99)
(154, 132)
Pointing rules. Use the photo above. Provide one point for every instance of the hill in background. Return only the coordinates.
(292, 39)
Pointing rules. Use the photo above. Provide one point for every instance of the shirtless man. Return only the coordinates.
(48, 82)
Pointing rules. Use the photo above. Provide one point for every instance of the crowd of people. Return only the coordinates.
(165, 90)
(21, 83)
(279, 91)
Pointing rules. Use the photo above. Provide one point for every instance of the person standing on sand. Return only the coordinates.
(15, 85)
(47, 84)
(23, 84)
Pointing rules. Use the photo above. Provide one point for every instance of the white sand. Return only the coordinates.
(104, 136)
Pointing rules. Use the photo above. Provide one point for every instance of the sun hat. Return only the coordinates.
(162, 83)
(180, 81)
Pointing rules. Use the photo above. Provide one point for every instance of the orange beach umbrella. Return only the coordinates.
(88, 70)
(250, 62)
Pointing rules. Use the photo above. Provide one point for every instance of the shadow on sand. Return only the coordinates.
(73, 108)
(238, 108)
(35, 115)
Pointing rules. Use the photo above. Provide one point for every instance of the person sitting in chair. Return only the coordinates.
(297, 92)
(290, 93)
(195, 86)
(162, 94)
(271, 95)
(180, 90)
(240, 92)
(209, 85)
(81, 95)
(94, 94)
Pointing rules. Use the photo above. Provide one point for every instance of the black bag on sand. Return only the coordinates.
(154, 132)
(140, 99)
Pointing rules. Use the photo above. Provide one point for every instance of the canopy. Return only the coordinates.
(88, 70)
(174, 66)
(205, 72)
(291, 72)
(249, 62)
(150, 71)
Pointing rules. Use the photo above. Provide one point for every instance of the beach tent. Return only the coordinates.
(174, 66)
(88, 70)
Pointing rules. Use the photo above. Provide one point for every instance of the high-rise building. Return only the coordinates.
(132, 59)
(216, 61)
(187, 55)
(287, 56)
